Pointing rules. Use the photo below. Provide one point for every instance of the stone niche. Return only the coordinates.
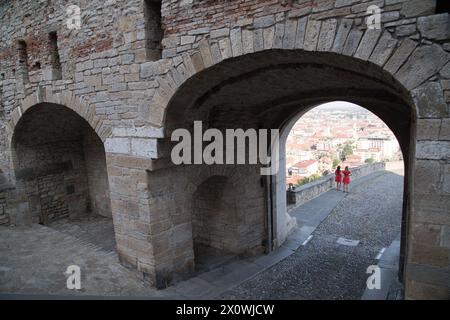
(60, 165)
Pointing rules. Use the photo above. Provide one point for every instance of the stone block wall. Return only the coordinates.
(111, 78)
(172, 206)
(54, 180)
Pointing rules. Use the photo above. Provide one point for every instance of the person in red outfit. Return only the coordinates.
(347, 173)
(338, 177)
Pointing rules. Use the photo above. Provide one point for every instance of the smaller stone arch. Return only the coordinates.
(59, 164)
(67, 99)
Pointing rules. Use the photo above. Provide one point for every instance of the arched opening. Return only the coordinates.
(60, 171)
(343, 229)
(271, 89)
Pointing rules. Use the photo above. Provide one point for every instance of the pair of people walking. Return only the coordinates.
(342, 177)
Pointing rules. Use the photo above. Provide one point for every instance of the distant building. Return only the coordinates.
(353, 160)
(377, 147)
(304, 168)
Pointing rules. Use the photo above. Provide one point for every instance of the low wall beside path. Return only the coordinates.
(300, 195)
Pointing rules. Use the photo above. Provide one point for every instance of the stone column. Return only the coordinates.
(428, 262)
(150, 212)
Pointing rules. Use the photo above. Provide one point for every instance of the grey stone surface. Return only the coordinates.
(39, 256)
(258, 40)
(400, 55)
(268, 34)
(263, 22)
(445, 236)
(367, 44)
(383, 50)
(327, 33)
(278, 37)
(290, 33)
(436, 27)
(352, 42)
(341, 35)
(430, 101)
(236, 41)
(434, 150)
(219, 33)
(406, 30)
(312, 35)
(422, 67)
(413, 8)
(300, 34)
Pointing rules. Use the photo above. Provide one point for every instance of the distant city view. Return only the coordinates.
(336, 133)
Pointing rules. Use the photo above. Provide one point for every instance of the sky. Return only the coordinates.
(339, 105)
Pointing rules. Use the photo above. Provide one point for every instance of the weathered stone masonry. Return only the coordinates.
(236, 63)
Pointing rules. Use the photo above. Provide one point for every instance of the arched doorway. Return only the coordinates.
(59, 166)
(343, 233)
(269, 89)
(405, 142)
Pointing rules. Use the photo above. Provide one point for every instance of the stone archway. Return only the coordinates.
(328, 59)
(269, 87)
(60, 166)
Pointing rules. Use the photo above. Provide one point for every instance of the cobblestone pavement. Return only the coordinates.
(324, 269)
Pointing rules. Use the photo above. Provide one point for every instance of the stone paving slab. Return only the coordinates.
(388, 264)
(38, 257)
(390, 257)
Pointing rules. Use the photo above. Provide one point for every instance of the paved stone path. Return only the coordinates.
(325, 269)
(33, 260)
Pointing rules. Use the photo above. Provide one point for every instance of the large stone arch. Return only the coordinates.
(404, 59)
(404, 69)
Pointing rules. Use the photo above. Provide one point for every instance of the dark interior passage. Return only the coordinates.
(60, 165)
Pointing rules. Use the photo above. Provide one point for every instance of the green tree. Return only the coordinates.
(335, 163)
(369, 160)
(347, 150)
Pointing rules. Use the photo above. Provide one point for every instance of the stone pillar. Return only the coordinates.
(428, 258)
(130, 211)
(151, 215)
(171, 224)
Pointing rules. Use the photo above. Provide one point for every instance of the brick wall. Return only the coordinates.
(109, 77)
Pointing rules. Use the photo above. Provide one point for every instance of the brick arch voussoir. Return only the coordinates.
(339, 36)
(66, 99)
